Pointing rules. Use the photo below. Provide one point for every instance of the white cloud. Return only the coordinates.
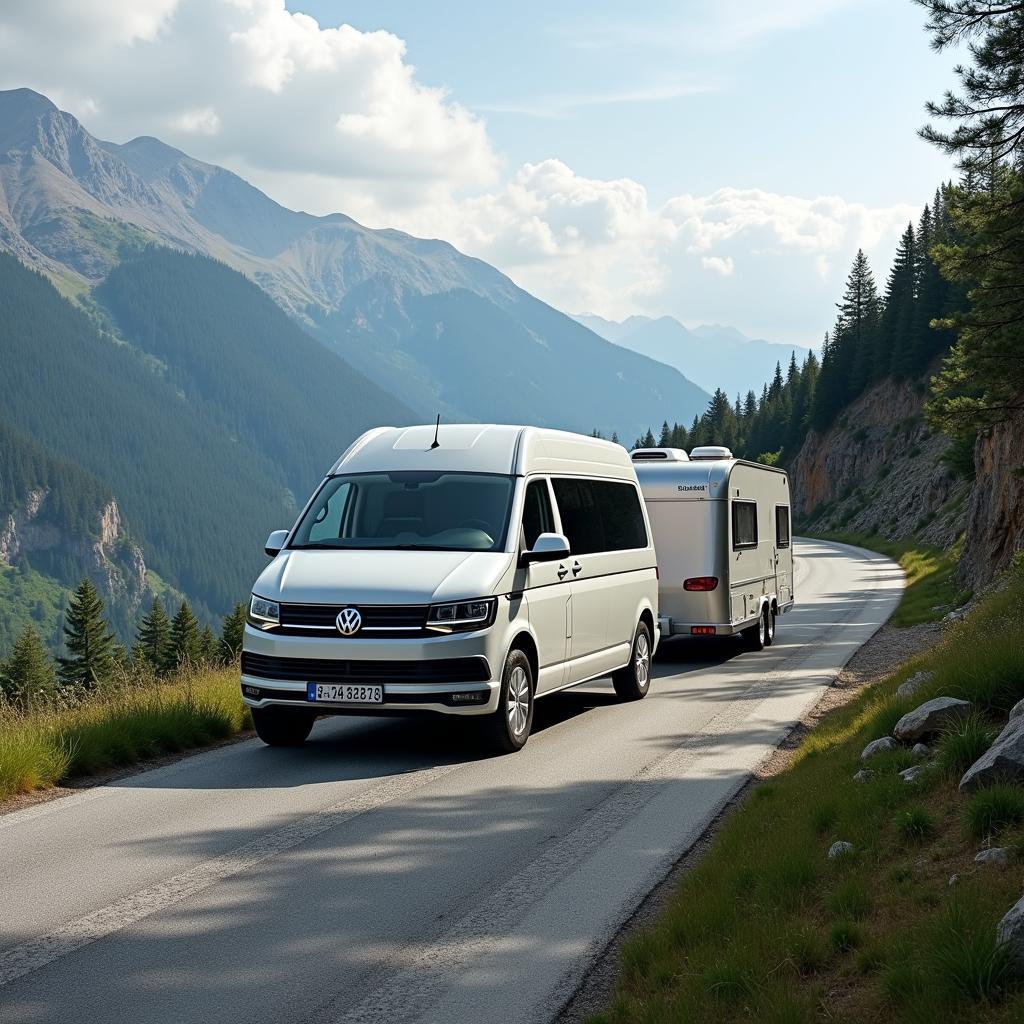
(719, 264)
(248, 83)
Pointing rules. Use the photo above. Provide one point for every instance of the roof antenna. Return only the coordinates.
(437, 430)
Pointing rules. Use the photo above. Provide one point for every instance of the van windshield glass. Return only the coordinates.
(431, 511)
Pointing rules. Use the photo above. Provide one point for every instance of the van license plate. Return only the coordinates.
(345, 693)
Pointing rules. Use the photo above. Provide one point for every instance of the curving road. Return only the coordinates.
(387, 871)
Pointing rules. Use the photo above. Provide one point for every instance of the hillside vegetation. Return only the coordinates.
(767, 927)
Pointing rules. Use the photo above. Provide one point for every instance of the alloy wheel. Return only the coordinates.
(518, 703)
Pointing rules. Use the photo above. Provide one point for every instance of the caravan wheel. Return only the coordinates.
(756, 637)
(769, 616)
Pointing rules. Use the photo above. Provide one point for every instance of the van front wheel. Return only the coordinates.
(282, 727)
(634, 680)
(508, 728)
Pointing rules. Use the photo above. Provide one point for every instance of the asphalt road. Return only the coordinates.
(389, 871)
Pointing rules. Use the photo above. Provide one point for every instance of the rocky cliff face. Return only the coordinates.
(995, 516)
(879, 470)
(109, 558)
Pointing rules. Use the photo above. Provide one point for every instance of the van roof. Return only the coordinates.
(691, 481)
(484, 448)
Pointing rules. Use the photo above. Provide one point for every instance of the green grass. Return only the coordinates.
(44, 748)
(992, 811)
(931, 589)
(766, 928)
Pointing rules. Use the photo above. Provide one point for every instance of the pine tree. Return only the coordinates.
(232, 630)
(859, 318)
(90, 645)
(665, 436)
(895, 349)
(153, 639)
(208, 647)
(185, 648)
(27, 676)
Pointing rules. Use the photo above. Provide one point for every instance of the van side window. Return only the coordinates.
(782, 526)
(600, 515)
(537, 516)
(744, 524)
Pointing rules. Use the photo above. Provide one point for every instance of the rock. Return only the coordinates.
(913, 684)
(881, 746)
(996, 855)
(955, 615)
(953, 879)
(1002, 762)
(921, 750)
(1010, 933)
(864, 775)
(931, 717)
(1017, 710)
(840, 849)
(911, 773)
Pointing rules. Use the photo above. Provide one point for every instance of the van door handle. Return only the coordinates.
(576, 568)
(562, 572)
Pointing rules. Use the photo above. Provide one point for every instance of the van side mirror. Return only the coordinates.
(275, 542)
(548, 547)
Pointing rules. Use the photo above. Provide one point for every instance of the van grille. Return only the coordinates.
(381, 621)
(330, 670)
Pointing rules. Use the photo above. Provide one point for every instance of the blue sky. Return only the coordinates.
(826, 100)
(716, 162)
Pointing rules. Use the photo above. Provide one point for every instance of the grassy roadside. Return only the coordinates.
(766, 927)
(122, 727)
(931, 589)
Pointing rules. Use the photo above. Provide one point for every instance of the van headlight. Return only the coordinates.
(264, 614)
(462, 616)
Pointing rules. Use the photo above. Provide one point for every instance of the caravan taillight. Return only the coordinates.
(701, 583)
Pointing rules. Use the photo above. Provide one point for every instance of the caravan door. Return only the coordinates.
(783, 556)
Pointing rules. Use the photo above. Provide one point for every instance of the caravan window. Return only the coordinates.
(782, 526)
(744, 524)
(600, 515)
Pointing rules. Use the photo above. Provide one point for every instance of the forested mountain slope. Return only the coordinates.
(415, 315)
(169, 428)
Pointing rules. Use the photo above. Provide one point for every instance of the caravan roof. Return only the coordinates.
(698, 480)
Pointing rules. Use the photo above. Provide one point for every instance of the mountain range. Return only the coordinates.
(183, 358)
(712, 355)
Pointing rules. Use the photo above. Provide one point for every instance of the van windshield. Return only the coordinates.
(415, 510)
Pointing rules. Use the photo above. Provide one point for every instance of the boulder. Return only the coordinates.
(881, 746)
(921, 750)
(1010, 933)
(840, 849)
(997, 855)
(1002, 762)
(913, 684)
(911, 773)
(931, 717)
(1017, 710)
(864, 775)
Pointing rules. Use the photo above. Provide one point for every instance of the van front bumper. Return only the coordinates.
(451, 675)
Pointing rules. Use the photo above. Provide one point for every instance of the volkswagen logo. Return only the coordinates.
(348, 621)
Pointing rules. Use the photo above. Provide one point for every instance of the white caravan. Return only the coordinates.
(457, 569)
(722, 532)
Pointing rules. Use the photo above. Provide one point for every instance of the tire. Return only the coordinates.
(508, 728)
(756, 637)
(633, 682)
(770, 626)
(282, 727)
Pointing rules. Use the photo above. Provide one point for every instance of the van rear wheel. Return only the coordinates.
(769, 615)
(634, 680)
(508, 728)
(756, 637)
(282, 727)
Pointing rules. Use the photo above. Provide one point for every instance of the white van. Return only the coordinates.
(722, 530)
(457, 569)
